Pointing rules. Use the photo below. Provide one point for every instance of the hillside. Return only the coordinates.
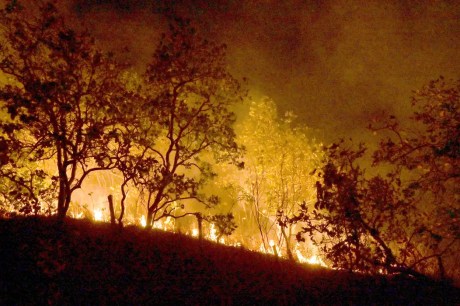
(79, 262)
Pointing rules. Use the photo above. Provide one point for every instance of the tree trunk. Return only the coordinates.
(61, 211)
(199, 218)
(442, 271)
(122, 203)
(63, 203)
(275, 251)
(149, 223)
(111, 210)
(288, 244)
(64, 197)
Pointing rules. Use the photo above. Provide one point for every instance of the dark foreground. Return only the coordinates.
(79, 262)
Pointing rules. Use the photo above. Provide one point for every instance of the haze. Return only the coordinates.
(336, 64)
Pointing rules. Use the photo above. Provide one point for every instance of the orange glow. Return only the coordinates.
(312, 260)
(143, 221)
(78, 215)
(166, 225)
(97, 215)
(315, 260)
(273, 248)
(211, 233)
(195, 232)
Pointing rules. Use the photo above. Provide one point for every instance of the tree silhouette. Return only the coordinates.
(406, 219)
(63, 97)
(189, 99)
(426, 158)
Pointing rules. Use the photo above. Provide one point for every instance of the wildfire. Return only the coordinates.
(143, 221)
(312, 260)
(212, 234)
(315, 260)
(273, 248)
(167, 225)
(195, 232)
(79, 215)
(97, 215)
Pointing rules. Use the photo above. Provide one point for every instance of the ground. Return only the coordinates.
(44, 261)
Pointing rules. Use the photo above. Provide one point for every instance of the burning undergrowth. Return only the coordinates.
(80, 262)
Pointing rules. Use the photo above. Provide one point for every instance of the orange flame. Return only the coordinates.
(97, 214)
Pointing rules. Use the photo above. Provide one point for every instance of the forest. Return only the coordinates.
(183, 147)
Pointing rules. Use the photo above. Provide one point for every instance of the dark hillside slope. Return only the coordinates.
(79, 262)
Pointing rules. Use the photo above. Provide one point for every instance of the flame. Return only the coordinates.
(75, 215)
(166, 225)
(213, 232)
(195, 232)
(158, 224)
(273, 248)
(312, 260)
(315, 260)
(143, 221)
(97, 214)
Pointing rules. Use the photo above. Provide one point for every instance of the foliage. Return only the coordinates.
(428, 155)
(276, 178)
(63, 98)
(406, 220)
(68, 110)
(359, 220)
(225, 224)
(189, 95)
(26, 191)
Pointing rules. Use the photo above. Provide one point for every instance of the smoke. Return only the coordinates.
(336, 64)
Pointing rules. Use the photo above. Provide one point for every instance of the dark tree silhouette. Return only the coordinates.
(426, 157)
(189, 98)
(406, 219)
(225, 224)
(63, 97)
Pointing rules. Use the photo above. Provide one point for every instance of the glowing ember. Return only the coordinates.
(195, 232)
(273, 248)
(97, 214)
(143, 221)
(166, 225)
(315, 260)
(213, 233)
(79, 215)
(312, 260)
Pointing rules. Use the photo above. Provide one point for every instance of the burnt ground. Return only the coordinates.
(43, 261)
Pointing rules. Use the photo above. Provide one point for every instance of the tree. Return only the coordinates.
(355, 220)
(225, 224)
(406, 219)
(25, 188)
(189, 99)
(277, 164)
(426, 156)
(63, 97)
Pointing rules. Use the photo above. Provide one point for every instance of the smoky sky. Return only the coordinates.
(335, 64)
